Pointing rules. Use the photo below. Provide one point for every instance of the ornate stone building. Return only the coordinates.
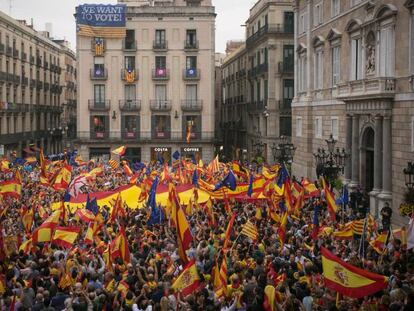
(354, 68)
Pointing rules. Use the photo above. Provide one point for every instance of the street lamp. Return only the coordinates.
(409, 175)
(284, 151)
(331, 163)
(259, 147)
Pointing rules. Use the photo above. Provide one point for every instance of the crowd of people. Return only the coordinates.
(51, 277)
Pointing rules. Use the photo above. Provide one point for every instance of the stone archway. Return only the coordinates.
(367, 159)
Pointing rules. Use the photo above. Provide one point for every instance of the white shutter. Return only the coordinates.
(359, 59)
(353, 59)
(334, 127)
(383, 57)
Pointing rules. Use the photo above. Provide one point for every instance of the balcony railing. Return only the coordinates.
(129, 105)
(32, 59)
(25, 81)
(99, 105)
(129, 46)
(191, 105)
(39, 85)
(366, 88)
(160, 105)
(9, 51)
(129, 75)
(117, 136)
(191, 74)
(38, 61)
(2, 48)
(99, 74)
(160, 45)
(267, 29)
(160, 74)
(285, 106)
(24, 56)
(15, 53)
(285, 67)
(191, 45)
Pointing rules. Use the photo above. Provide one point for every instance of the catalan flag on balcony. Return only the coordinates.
(189, 128)
(103, 21)
(129, 75)
(99, 46)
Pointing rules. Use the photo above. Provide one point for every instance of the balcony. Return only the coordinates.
(129, 75)
(265, 30)
(99, 74)
(191, 105)
(366, 88)
(98, 47)
(32, 83)
(45, 65)
(191, 74)
(38, 61)
(160, 105)
(191, 46)
(32, 60)
(127, 105)
(285, 106)
(256, 106)
(2, 48)
(24, 56)
(71, 103)
(99, 105)
(285, 67)
(160, 74)
(129, 46)
(15, 53)
(39, 85)
(9, 51)
(25, 81)
(160, 46)
(46, 86)
(16, 79)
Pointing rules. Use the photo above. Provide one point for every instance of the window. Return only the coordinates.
(334, 127)
(288, 22)
(335, 7)
(336, 54)
(318, 127)
(160, 92)
(299, 126)
(99, 94)
(191, 92)
(130, 92)
(130, 39)
(356, 59)
(130, 126)
(288, 59)
(98, 125)
(191, 38)
(412, 133)
(160, 62)
(318, 69)
(191, 62)
(317, 14)
(303, 21)
(161, 126)
(386, 51)
(130, 62)
(160, 37)
(302, 72)
(99, 67)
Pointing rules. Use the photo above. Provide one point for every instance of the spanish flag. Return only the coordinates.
(380, 242)
(282, 229)
(27, 219)
(349, 280)
(188, 281)
(330, 200)
(44, 232)
(85, 215)
(269, 303)
(65, 236)
(119, 247)
(11, 188)
(42, 161)
(26, 246)
(120, 151)
(63, 178)
(117, 209)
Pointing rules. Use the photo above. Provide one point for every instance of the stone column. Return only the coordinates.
(378, 154)
(387, 155)
(309, 59)
(355, 151)
(348, 162)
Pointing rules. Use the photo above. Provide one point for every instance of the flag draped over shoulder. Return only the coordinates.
(188, 281)
(349, 280)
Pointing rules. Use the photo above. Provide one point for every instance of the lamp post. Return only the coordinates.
(284, 151)
(330, 163)
(409, 175)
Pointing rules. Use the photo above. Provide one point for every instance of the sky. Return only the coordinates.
(231, 14)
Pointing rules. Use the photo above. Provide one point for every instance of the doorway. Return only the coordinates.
(367, 158)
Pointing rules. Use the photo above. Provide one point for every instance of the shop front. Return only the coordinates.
(161, 154)
(192, 153)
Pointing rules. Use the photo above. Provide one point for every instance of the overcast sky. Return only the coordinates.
(230, 15)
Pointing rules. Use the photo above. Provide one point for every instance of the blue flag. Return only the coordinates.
(92, 205)
(195, 179)
(137, 166)
(66, 197)
(283, 176)
(344, 199)
(151, 198)
(159, 158)
(156, 217)
(176, 155)
(282, 206)
(148, 171)
(229, 181)
(250, 189)
(315, 223)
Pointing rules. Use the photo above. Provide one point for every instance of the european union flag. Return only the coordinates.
(137, 166)
(156, 217)
(92, 205)
(195, 179)
(344, 199)
(176, 155)
(159, 158)
(151, 198)
(250, 189)
(229, 181)
(283, 176)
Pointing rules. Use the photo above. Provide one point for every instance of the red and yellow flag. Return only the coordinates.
(349, 280)
(228, 231)
(249, 230)
(27, 219)
(11, 188)
(330, 200)
(188, 281)
(119, 247)
(63, 178)
(379, 243)
(42, 161)
(282, 229)
(65, 236)
(44, 232)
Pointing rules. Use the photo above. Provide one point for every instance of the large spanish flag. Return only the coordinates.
(349, 280)
(65, 236)
(188, 281)
(11, 188)
(63, 178)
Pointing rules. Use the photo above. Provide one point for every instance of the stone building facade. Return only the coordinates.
(30, 89)
(258, 82)
(354, 68)
(169, 49)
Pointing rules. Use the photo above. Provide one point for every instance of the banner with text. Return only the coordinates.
(101, 21)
